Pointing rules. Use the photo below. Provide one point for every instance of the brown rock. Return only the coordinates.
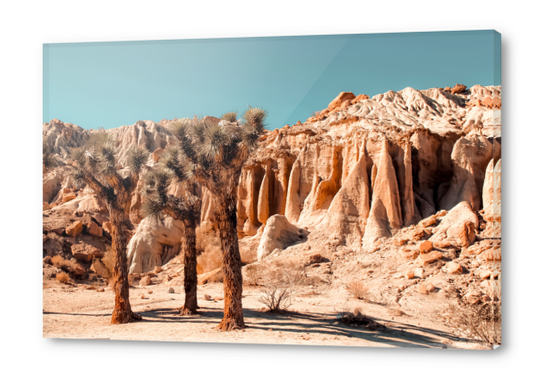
(430, 287)
(467, 234)
(426, 247)
(442, 244)
(341, 98)
(145, 281)
(421, 289)
(67, 197)
(447, 89)
(85, 253)
(74, 229)
(431, 220)
(400, 242)
(316, 258)
(419, 273)
(410, 275)
(425, 259)
(454, 268)
(211, 276)
(458, 88)
(93, 229)
(410, 253)
(99, 268)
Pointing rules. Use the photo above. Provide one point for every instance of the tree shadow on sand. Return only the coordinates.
(397, 334)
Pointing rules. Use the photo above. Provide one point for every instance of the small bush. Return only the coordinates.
(279, 283)
(62, 277)
(481, 321)
(63, 264)
(358, 289)
(277, 292)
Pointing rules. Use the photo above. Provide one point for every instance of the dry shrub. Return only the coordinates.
(63, 264)
(62, 277)
(358, 289)
(279, 282)
(357, 318)
(209, 249)
(481, 321)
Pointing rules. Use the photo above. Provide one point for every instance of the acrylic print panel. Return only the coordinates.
(314, 190)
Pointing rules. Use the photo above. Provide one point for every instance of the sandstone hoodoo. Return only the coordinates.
(399, 194)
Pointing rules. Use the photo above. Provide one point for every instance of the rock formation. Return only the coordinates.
(355, 173)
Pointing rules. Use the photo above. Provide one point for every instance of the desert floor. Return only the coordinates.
(73, 311)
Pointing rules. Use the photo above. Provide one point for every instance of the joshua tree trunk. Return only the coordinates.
(122, 313)
(190, 274)
(231, 264)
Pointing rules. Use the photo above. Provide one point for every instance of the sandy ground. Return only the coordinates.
(72, 311)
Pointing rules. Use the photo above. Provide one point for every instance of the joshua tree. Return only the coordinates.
(97, 168)
(216, 151)
(186, 208)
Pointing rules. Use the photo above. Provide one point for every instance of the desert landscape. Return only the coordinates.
(375, 222)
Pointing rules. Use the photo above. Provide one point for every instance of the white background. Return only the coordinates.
(24, 26)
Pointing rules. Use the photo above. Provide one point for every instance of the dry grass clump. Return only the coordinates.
(62, 277)
(358, 289)
(63, 264)
(481, 321)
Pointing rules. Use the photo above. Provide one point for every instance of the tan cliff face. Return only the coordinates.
(363, 171)
(357, 172)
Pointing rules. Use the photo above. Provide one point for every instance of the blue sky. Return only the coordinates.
(109, 84)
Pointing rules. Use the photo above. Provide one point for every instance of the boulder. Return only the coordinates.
(426, 247)
(425, 259)
(279, 234)
(99, 268)
(85, 253)
(419, 273)
(93, 229)
(153, 241)
(145, 281)
(453, 268)
(457, 227)
(74, 229)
